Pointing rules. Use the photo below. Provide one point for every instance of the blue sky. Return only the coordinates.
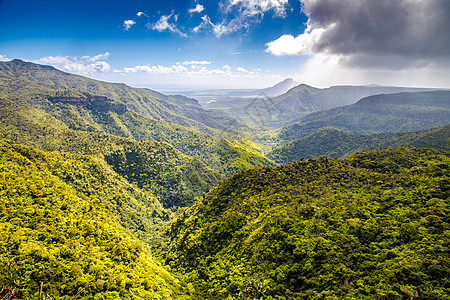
(194, 44)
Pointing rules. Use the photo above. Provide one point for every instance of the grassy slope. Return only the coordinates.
(372, 226)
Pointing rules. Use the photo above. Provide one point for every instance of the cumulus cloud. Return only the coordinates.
(197, 9)
(85, 65)
(196, 62)
(140, 14)
(367, 33)
(163, 24)
(197, 68)
(4, 58)
(102, 56)
(242, 70)
(159, 69)
(127, 24)
(289, 45)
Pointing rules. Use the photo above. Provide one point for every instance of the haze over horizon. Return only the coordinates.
(190, 44)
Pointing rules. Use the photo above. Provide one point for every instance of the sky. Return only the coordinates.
(193, 44)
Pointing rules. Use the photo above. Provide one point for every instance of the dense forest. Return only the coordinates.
(336, 143)
(371, 226)
(67, 221)
(114, 192)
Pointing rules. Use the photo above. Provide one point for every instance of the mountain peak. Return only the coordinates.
(15, 63)
(280, 88)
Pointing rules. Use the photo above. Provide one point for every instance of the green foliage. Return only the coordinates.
(175, 178)
(235, 158)
(376, 114)
(63, 222)
(371, 226)
(335, 143)
(84, 104)
(34, 85)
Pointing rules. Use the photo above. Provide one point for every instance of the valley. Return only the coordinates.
(289, 192)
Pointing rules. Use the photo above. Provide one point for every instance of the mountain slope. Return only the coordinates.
(335, 143)
(21, 81)
(374, 114)
(273, 112)
(58, 231)
(372, 226)
(88, 105)
(279, 88)
(175, 178)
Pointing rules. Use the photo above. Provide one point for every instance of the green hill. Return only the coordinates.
(65, 223)
(375, 114)
(301, 100)
(88, 105)
(371, 226)
(175, 178)
(335, 143)
(28, 82)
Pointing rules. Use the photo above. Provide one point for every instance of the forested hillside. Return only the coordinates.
(26, 82)
(112, 192)
(335, 143)
(89, 105)
(67, 222)
(299, 101)
(400, 112)
(156, 166)
(57, 111)
(371, 226)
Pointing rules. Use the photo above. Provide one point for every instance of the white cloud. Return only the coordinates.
(197, 9)
(200, 68)
(140, 14)
(259, 7)
(386, 42)
(206, 23)
(300, 45)
(241, 14)
(163, 24)
(102, 56)
(4, 58)
(85, 65)
(127, 24)
(196, 62)
(242, 70)
(159, 69)
(221, 29)
(372, 34)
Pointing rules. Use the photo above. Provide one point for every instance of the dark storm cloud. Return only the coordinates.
(413, 28)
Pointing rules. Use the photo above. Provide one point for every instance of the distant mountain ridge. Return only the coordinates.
(399, 112)
(279, 88)
(142, 136)
(299, 101)
(224, 98)
(336, 143)
(17, 78)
